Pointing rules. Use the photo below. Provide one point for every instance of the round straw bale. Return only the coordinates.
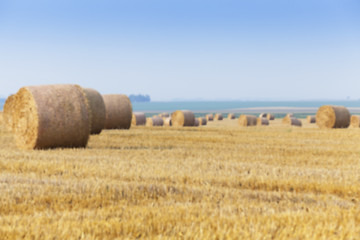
(8, 111)
(263, 115)
(164, 115)
(167, 122)
(270, 116)
(355, 121)
(138, 119)
(247, 120)
(262, 121)
(118, 111)
(231, 116)
(289, 115)
(196, 122)
(311, 119)
(333, 117)
(51, 116)
(182, 118)
(291, 121)
(218, 117)
(210, 117)
(97, 108)
(202, 121)
(154, 121)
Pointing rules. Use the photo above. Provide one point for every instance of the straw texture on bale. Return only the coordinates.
(291, 121)
(247, 120)
(8, 111)
(219, 117)
(333, 117)
(51, 116)
(138, 119)
(262, 121)
(210, 117)
(311, 119)
(164, 115)
(202, 121)
(196, 122)
(97, 109)
(167, 122)
(118, 111)
(263, 115)
(154, 121)
(231, 116)
(355, 121)
(270, 116)
(182, 118)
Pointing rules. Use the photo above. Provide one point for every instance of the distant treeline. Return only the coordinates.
(139, 98)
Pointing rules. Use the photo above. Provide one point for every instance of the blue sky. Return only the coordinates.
(173, 49)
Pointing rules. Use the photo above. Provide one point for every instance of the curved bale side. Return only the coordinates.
(138, 119)
(51, 116)
(196, 122)
(291, 121)
(329, 116)
(270, 116)
(355, 121)
(218, 117)
(97, 108)
(247, 120)
(231, 116)
(182, 118)
(167, 122)
(202, 121)
(154, 121)
(209, 117)
(8, 111)
(262, 121)
(118, 111)
(311, 119)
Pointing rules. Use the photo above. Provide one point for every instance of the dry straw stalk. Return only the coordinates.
(333, 117)
(118, 111)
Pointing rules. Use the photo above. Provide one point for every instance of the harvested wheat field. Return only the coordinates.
(219, 181)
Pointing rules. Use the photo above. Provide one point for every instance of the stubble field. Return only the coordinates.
(219, 181)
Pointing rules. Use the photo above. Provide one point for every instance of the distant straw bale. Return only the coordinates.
(164, 115)
(167, 122)
(210, 117)
(289, 115)
(291, 121)
(311, 119)
(219, 117)
(262, 121)
(8, 111)
(183, 118)
(263, 115)
(355, 121)
(196, 122)
(333, 117)
(231, 116)
(270, 116)
(154, 121)
(138, 119)
(51, 116)
(247, 120)
(118, 111)
(97, 108)
(202, 121)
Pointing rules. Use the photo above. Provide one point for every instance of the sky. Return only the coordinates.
(185, 49)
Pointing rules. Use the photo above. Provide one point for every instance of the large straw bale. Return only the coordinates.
(355, 121)
(154, 121)
(209, 117)
(118, 111)
(311, 119)
(291, 121)
(247, 120)
(202, 121)
(218, 116)
(231, 116)
(97, 108)
(138, 119)
(183, 118)
(333, 117)
(167, 122)
(8, 111)
(270, 116)
(262, 121)
(51, 116)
